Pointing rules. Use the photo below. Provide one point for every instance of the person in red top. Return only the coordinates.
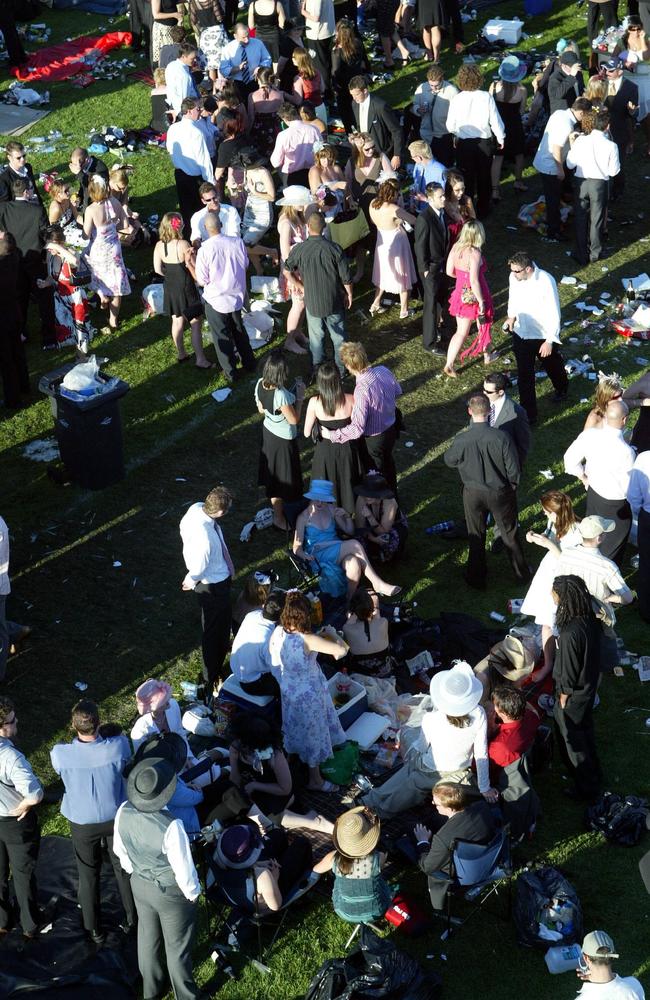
(511, 728)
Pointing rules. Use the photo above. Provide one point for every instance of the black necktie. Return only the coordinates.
(245, 71)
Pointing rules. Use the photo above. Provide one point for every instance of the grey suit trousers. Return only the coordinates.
(166, 922)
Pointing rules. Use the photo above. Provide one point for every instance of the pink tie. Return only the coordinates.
(225, 553)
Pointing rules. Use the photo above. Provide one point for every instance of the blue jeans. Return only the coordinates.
(316, 327)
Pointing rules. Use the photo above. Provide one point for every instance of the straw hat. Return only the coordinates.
(356, 832)
(456, 692)
(512, 659)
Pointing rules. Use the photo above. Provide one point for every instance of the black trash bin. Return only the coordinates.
(88, 430)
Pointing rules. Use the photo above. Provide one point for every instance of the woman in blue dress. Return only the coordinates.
(341, 563)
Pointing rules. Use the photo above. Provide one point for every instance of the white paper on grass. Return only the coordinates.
(642, 316)
(568, 279)
(640, 284)
(221, 395)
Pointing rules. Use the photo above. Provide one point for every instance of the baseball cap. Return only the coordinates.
(592, 526)
(568, 58)
(598, 944)
(611, 64)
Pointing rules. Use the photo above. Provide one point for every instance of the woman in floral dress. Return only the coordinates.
(310, 725)
(71, 312)
(102, 219)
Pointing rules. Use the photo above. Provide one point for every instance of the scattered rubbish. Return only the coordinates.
(179, 479)
(408, 444)
(546, 473)
(495, 616)
(45, 450)
(81, 686)
(221, 395)
(116, 564)
(568, 279)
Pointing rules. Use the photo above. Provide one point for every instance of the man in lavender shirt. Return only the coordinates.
(375, 417)
(293, 153)
(221, 264)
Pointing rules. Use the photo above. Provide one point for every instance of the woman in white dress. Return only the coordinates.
(562, 532)
(393, 269)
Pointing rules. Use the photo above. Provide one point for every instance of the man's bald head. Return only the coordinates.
(212, 223)
(616, 413)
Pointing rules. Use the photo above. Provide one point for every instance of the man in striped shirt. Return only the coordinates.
(374, 413)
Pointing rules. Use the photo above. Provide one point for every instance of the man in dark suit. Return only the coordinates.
(506, 415)
(17, 166)
(431, 248)
(622, 102)
(565, 83)
(13, 44)
(83, 166)
(26, 220)
(375, 116)
(489, 470)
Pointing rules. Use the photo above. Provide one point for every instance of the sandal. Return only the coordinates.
(377, 311)
(449, 372)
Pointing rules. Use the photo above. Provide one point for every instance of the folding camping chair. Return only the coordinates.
(474, 868)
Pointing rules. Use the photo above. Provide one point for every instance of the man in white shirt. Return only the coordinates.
(550, 160)
(638, 495)
(250, 658)
(473, 119)
(534, 321)
(599, 981)
(595, 159)
(431, 106)
(178, 78)
(209, 573)
(230, 218)
(191, 159)
(154, 849)
(320, 26)
(242, 59)
(602, 460)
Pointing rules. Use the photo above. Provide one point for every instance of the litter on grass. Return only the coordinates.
(46, 450)
(221, 395)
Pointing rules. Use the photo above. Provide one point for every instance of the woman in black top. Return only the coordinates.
(267, 18)
(231, 145)
(576, 673)
(166, 15)
(348, 59)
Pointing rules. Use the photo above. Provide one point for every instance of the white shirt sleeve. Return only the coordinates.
(639, 486)
(177, 848)
(451, 115)
(195, 232)
(496, 121)
(550, 305)
(573, 156)
(118, 844)
(574, 457)
(481, 753)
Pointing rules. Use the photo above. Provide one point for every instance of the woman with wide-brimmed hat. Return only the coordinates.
(380, 524)
(360, 892)
(510, 96)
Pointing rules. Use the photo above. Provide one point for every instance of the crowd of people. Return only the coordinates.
(248, 111)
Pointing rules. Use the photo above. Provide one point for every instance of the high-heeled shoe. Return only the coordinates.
(377, 311)
(449, 372)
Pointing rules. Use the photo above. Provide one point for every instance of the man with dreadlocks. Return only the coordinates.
(576, 672)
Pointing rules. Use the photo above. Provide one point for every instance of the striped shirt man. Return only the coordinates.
(373, 412)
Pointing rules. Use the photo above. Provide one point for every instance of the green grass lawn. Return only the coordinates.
(111, 627)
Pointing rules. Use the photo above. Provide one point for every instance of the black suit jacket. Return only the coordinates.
(485, 457)
(513, 420)
(431, 241)
(96, 166)
(383, 126)
(476, 823)
(8, 176)
(563, 89)
(620, 117)
(27, 222)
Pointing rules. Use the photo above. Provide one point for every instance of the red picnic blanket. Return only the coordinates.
(59, 62)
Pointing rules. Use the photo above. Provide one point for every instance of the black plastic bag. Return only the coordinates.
(377, 970)
(622, 820)
(535, 890)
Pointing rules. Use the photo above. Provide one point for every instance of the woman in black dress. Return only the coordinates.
(331, 407)
(279, 467)
(172, 259)
(267, 17)
(348, 59)
(510, 96)
(576, 673)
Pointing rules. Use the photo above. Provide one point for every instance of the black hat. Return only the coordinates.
(248, 158)
(168, 746)
(374, 485)
(151, 784)
(568, 58)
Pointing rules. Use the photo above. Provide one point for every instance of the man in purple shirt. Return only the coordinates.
(221, 269)
(293, 153)
(374, 414)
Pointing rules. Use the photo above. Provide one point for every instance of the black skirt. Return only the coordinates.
(279, 468)
(270, 39)
(431, 14)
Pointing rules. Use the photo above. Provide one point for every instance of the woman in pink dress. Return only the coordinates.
(102, 219)
(393, 269)
(470, 300)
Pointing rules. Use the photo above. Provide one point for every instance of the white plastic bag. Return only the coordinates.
(152, 300)
(259, 327)
(197, 720)
(83, 376)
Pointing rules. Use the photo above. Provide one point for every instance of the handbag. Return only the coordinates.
(80, 275)
(349, 228)
(467, 296)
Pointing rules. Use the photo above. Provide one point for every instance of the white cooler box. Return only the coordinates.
(356, 706)
(507, 31)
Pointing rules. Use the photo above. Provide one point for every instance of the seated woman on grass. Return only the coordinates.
(341, 563)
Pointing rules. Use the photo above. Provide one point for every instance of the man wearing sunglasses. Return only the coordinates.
(17, 166)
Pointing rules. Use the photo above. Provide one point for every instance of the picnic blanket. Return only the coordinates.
(60, 62)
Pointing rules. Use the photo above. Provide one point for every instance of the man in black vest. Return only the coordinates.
(154, 849)
(17, 166)
(375, 116)
(431, 248)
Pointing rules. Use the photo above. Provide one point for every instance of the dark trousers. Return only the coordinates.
(214, 601)
(13, 44)
(643, 575)
(618, 181)
(577, 745)
(502, 505)
(166, 921)
(322, 56)
(609, 11)
(526, 355)
(19, 844)
(380, 452)
(13, 365)
(552, 188)
(297, 177)
(644, 14)
(442, 147)
(590, 211)
(27, 287)
(614, 542)
(189, 201)
(264, 685)
(433, 287)
(474, 159)
(230, 13)
(88, 841)
(140, 24)
(229, 338)
(4, 636)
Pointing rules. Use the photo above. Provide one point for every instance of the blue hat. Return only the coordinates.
(561, 45)
(321, 489)
(512, 69)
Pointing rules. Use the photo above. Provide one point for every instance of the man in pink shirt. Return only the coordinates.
(221, 264)
(293, 153)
